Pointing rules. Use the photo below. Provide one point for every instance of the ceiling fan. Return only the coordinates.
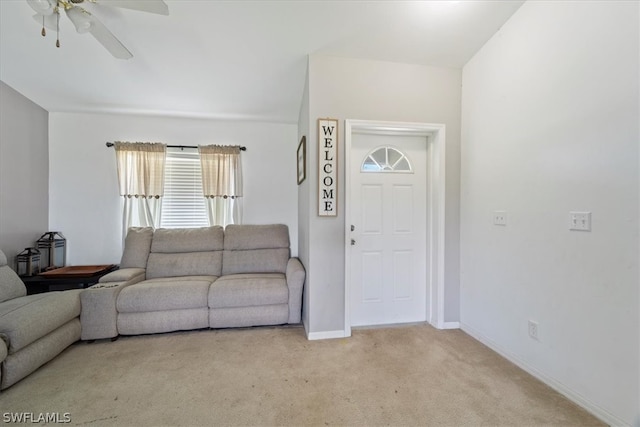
(48, 13)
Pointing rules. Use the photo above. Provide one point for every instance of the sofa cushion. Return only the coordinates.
(245, 237)
(39, 352)
(10, 284)
(255, 261)
(186, 252)
(169, 293)
(181, 240)
(24, 320)
(184, 264)
(137, 245)
(243, 290)
(255, 249)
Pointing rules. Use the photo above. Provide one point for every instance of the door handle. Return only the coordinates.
(353, 227)
(353, 242)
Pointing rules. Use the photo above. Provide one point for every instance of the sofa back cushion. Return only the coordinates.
(137, 245)
(255, 249)
(186, 252)
(10, 284)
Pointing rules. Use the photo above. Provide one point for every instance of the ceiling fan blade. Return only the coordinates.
(152, 6)
(80, 18)
(109, 41)
(43, 7)
(50, 21)
(86, 22)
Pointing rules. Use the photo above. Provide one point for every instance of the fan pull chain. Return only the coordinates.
(58, 29)
(44, 33)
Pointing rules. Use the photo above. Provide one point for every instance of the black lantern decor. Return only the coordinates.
(54, 249)
(28, 262)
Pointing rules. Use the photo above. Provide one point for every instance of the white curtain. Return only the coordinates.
(222, 183)
(141, 182)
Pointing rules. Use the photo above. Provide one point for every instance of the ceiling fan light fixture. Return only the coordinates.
(48, 14)
(43, 7)
(81, 19)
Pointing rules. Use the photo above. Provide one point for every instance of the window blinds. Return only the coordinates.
(183, 204)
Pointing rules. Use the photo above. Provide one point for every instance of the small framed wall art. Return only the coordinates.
(302, 160)
(327, 167)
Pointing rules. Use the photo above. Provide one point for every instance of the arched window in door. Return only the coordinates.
(386, 159)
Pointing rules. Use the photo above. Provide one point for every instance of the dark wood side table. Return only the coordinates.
(74, 277)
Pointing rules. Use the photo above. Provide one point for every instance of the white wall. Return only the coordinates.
(304, 201)
(343, 88)
(24, 172)
(550, 125)
(84, 200)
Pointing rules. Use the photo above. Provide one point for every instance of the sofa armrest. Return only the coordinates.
(3, 350)
(3, 355)
(124, 275)
(295, 281)
(99, 315)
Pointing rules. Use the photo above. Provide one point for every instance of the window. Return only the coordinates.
(386, 159)
(183, 204)
(165, 186)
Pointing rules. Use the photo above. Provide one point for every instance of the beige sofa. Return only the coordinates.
(33, 328)
(210, 277)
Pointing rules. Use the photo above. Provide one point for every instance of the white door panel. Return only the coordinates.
(372, 207)
(388, 259)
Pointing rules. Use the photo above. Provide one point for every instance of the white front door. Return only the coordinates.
(388, 175)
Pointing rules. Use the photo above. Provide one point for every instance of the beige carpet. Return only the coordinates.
(413, 375)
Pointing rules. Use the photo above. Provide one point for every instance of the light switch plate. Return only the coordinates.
(580, 221)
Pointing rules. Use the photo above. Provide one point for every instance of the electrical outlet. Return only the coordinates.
(533, 330)
(580, 221)
(500, 217)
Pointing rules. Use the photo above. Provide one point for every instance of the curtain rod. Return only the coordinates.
(110, 144)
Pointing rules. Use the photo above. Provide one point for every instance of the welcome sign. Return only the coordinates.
(327, 167)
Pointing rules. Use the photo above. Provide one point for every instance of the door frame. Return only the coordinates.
(435, 141)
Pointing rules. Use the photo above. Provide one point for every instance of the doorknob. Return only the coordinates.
(353, 242)
(353, 227)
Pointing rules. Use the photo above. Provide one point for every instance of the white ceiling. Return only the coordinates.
(230, 59)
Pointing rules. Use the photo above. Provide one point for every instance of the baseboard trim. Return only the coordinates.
(445, 325)
(570, 394)
(325, 335)
(450, 325)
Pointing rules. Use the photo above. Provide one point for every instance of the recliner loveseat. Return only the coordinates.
(209, 277)
(33, 328)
